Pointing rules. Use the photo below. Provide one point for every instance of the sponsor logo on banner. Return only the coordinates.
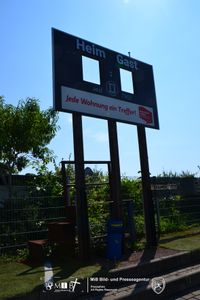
(145, 114)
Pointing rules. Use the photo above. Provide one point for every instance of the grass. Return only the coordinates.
(75, 268)
(17, 279)
(185, 240)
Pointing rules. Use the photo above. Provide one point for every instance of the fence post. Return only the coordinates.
(158, 214)
(131, 222)
(157, 204)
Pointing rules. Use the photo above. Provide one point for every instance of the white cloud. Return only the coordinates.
(148, 5)
(126, 1)
(100, 137)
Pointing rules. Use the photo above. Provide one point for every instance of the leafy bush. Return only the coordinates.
(171, 218)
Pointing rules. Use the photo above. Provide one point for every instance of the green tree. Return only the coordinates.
(25, 132)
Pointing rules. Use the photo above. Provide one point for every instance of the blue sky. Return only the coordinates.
(164, 33)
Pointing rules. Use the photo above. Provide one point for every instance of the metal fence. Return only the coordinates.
(23, 219)
(177, 213)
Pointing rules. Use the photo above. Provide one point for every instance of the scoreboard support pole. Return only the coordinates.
(115, 170)
(81, 199)
(149, 216)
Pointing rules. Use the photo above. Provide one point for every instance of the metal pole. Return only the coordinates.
(131, 221)
(115, 170)
(68, 190)
(110, 190)
(64, 179)
(148, 206)
(158, 215)
(81, 200)
(156, 202)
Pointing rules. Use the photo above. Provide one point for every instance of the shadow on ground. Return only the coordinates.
(97, 266)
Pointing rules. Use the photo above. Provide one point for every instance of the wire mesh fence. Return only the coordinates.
(23, 219)
(177, 213)
(27, 218)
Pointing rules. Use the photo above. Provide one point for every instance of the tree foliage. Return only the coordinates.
(182, 174)
(25, 132)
